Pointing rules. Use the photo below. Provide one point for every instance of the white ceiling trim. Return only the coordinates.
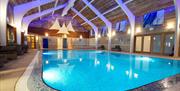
(27, 20)
(68, 7)
(81, 10)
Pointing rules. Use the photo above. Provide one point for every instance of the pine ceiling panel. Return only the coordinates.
(88, 13)
(71, 13)
(58, 11)
(87, 26)
(47, 6)
(104, 5)
(98, 22)
(79, 19)
(79, 4)
(18, 2)
(60, 2)
(32, 11)
(115, 15)
(140, 7)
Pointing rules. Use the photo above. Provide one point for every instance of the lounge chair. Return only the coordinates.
(25, 48)
(9, 52)
(102, 47)
(19, 49)
(116, 48)
(2, 60)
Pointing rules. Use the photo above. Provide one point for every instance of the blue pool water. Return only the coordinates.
(90, 70)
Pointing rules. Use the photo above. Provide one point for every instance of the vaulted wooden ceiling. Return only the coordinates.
(138, 7)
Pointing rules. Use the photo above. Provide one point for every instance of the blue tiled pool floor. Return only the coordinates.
(90, 70)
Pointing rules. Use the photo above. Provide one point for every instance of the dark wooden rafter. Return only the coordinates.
(87, 27)
(116, 15)
(18, 2)
(60, 2)
(47, 6)
(88, 13)
(98, 22)
(104, 5)
(140, 7)
(32, 11)
(79, 4)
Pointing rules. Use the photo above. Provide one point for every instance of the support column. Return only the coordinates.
(20, 11)
(131, 18)
(177, 32)
(104, 19)
(95, 28)
(109, 36)
(28, 19)
(3, 22)
(96, 39)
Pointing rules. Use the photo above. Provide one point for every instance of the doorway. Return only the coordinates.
(64, 43)
(45, 42)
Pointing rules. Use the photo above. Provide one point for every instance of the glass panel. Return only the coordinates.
(147, 44)
(169, 44)
(138, 43)
(157, 44)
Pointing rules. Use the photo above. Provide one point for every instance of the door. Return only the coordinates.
(147, 44)
(45, 43)
(64, 43)
(31, 42)
(169, 44)
(156, 44)
(138, 46)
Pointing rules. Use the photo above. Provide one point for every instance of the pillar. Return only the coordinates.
(109, 36)
(3, 22)
(177, 32)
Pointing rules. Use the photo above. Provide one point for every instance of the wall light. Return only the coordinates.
(64, 36)
(109, 35)
(81, 37)
(138, 29)
(37, 38)
(113, 33)
(129, 31)
(99, 35)
(46, 34)
(170, 25)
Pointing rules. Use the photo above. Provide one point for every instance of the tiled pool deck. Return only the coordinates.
(12, 71)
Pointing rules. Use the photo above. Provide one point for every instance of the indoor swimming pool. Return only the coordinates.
(91, 70)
